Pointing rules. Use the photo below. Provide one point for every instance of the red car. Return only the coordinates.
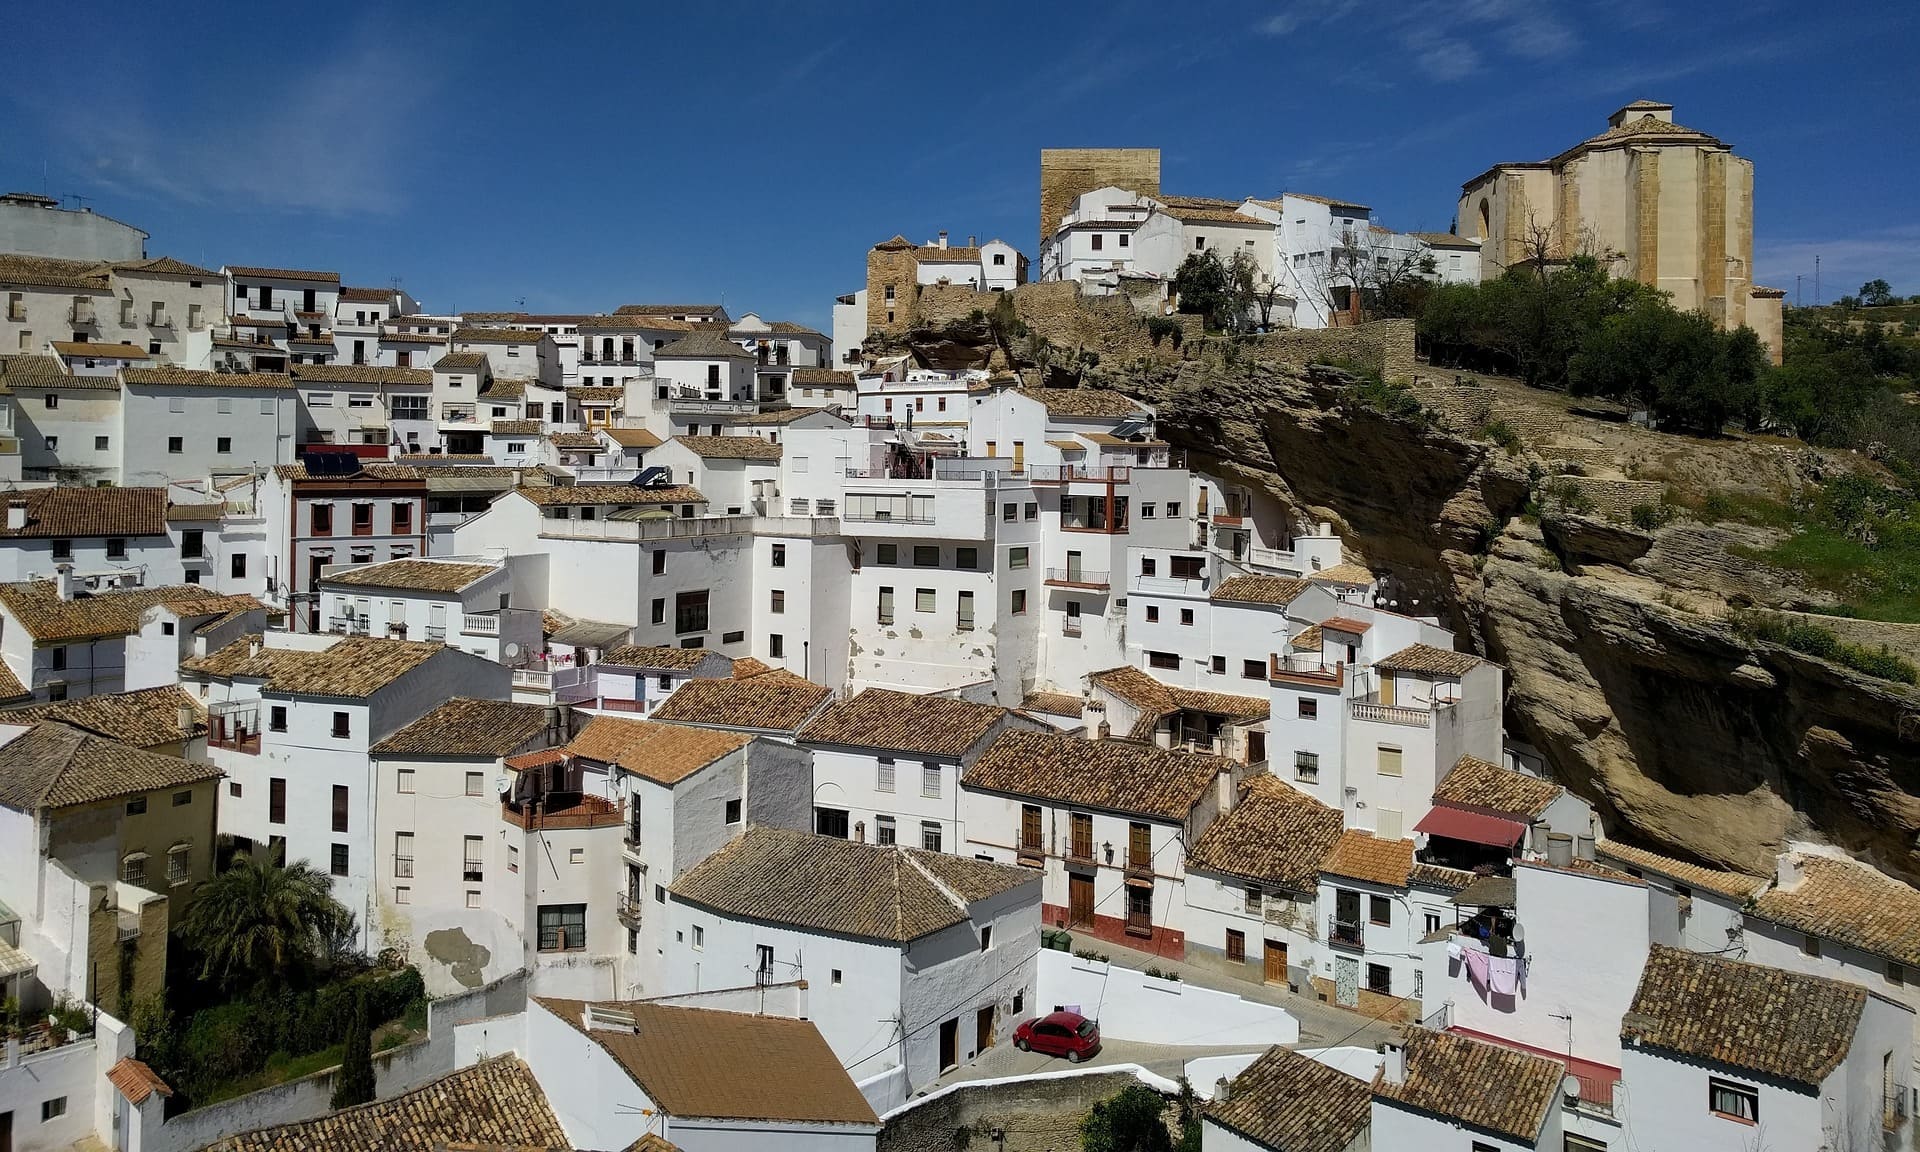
(1066, 1034)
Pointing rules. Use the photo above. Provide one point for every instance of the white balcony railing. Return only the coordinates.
(480, 625)
(1389, 714)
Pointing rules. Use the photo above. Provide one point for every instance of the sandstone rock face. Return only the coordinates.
(1623, 672)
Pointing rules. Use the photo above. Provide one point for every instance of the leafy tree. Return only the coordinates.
(1206, 289)
(1128, 1122)
(261, 926)
(1876, 293)
(1676, 364)
(354, 1085)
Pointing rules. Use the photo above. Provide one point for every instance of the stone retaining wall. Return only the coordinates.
(1035, 1115)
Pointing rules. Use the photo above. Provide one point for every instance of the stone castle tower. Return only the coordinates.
(1066, 173)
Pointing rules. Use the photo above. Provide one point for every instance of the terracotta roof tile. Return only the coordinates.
(632, 437)
(1054, 704)
(352, 667)
(460, 362)
(51, 765)
(663, 753)
(72, 511)
(196, 513)
(823, 377)
(1155, 700)
(282, 274)
(1851, 903)
(1499, 1090)
(774, 702)
(145, 718)
(703, 1063)
(1476, 783)
(366, 295)
(904, 722)
(730, 447)
(1345, 624)
(1292, 1103)
(50, 272)
(37, 606)
(1437, 878)
(1309, 640)
(824, 883)
(498, 336)
(612, 494)
(1735, 885)
(1428, 660)
(1357, 855)
(415, 575)
(136, 1081)
(662, 656)
(704, 342)
(1085, 402)
(1767, 1020)
(1275, 834)
(166, 376)
(516, 428)
(465, 727)
(663, 311)
(11, 689)
(601, 395)
(1251, 588)
(1343, 573)
(495, 1102)
(1115, 775)
(575, 440)
(358, 374)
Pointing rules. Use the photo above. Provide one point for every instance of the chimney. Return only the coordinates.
(186, 720)
(970, 242)
(942, 242)
(859, 831)
(516, 477)
(1223, 784)
(63, 580)
(1788, 871)
(1326, 527)
(1559, 849)
(253, 646)
(1393, 1062)
(16, 515)
(1583, 846)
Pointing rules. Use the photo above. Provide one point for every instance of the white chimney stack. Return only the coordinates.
(63, 580)
(1223, 784)
(186, 720)
(16, 515)
(943, 238)
(1788, 871)
(1393, 1062)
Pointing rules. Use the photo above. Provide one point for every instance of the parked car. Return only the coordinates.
(1066, 1034)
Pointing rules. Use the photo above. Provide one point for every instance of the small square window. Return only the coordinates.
(1309, 708)
(1219, 665)
(476, 783)
(473, 894)
(836, 977)
(733, 812)
(576, 855)
(1153, 613)
(136, 806)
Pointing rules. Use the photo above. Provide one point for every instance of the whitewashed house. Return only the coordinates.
(943, 946)
(513, 353)
(1445, 1090)
(635, 678)
(107, 537)
(371, 411)
(1286, 1101)
(1106, 823)
(739, 475)
(179, 423)
(462, 602)
(290, 309)
(61, 642)
(887, 765)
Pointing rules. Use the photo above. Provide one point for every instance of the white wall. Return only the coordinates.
(1132, 1006)
(27, 1083)
(257, 426)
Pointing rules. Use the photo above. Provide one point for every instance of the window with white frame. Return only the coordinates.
(883, 775)
(930, 781)
(1734, 1101)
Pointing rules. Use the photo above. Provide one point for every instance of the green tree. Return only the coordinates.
(1678, 365)
(1876, 293)
(1205, 287)
(1131, 1121)
(261, 926)
(354, 1084)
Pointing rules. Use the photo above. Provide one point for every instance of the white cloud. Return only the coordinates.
(1445, 40)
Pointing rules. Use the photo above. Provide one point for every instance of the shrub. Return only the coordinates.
(1648, 517)
(1152, 970)
(1500, 432)
(1813, 640)
(1159, 327)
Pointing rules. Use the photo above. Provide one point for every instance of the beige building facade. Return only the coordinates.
(1664, 204)
(1066, 174)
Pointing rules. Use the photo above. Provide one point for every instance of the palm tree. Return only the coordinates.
(261, 925)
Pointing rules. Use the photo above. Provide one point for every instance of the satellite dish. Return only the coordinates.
(510, 650)
(1570, 1087)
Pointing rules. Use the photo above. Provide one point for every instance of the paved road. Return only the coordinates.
(1167, 1060)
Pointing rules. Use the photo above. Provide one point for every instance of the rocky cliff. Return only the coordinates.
(1624, 670)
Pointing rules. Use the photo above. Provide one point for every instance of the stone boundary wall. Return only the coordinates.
(1385, 346)
(1615, 499)
(1036, 1114)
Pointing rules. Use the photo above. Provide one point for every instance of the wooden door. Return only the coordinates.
(1256, 747)
(1140, 847)
(950, 1043)
(1386, 688)
(1079, 900)
(1276, 957)
(983, 1029)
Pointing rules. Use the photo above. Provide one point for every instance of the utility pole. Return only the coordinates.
(1796, 289)
(1816, 281)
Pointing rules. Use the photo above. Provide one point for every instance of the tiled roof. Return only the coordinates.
(663, 753)
(1155, 700)
(1500, 1090)
(782, 416)
(828, 377)
(366, 295)
(415, 575)
(1345, 624)
(774, 702)
(1094, 402)
(460, 362)
(26, 371)
(166, 375)
(72, 511)
(952, 254)
(904, 722)
(464, 727)
(1345, 572)
(599, 395)
(1425, 658)
(1215, 216)
(1054, 704)
(283, 274)
(11, 689)
(1851, 903)
(36, 604)
(1309, 639)
(164, 266)
(824, 883)
(619, 323)
(1476, 783)
(136, 1081)
(1115, 775)
(493, 1103)
(632, 437)
(49, 272)
(1252, 588)
(51, 765)
(357, 374)
(504, 388)
(704, 342)
(1275, 833)
(574, 440)
(1358, 855)
(352, 667)
(1763, 1019)
(730, 447)
(367, 472)
(1735, 885)
(747, 667)
(665, 310)
(498, 336)
(98, 350)
(1436, 878)
(1292, 1103)
(196, 513)
(1445, 240)
(662, 656)
(709, 1064)
(516, 428)
(145, 718)
(612, 494)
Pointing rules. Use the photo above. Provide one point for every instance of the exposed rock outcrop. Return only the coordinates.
(1624, 671)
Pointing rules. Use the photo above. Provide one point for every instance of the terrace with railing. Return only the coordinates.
(235, 727)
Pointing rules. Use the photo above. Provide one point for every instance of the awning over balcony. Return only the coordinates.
(1473, 827)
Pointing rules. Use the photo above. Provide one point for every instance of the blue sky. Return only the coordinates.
(577, 157)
